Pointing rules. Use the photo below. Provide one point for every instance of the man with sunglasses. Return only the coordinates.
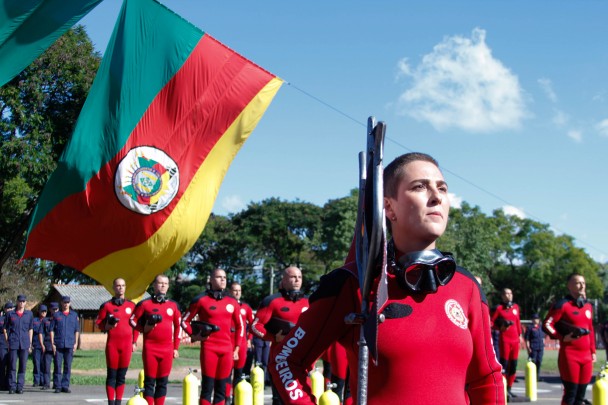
(19, 329)
(505, 319)
(434, 344)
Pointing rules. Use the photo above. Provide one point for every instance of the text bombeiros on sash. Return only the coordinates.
(290, 385)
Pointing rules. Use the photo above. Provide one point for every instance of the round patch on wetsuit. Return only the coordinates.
(455, 313)
(169, 311)
(243, 312)
(128, 310)
(514, 311)
(304, 309)
(230, 308)
(588, 314)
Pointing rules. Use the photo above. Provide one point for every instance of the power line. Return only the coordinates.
(443, 168)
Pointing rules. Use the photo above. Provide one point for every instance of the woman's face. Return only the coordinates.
(419, 212)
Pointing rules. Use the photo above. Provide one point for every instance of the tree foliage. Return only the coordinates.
(38, 110)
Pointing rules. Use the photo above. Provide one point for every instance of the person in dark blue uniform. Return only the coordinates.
(44, 337)
(37, 345)
(19, 324)
(535, 342)
(64, 335)
(9, 306)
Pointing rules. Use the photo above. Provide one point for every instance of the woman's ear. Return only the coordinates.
(388, 209)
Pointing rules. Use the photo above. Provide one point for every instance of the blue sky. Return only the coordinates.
(510, 97)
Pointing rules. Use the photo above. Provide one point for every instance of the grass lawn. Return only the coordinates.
(549, 365)
(94, 361)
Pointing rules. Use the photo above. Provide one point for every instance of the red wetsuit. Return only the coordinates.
(339, 369)
(575, 357)
(119, 345)
(509, 338)
(284, 305)
(159, 344)
(432, 348)
(280, 306)
(217, 350)
(247, 317)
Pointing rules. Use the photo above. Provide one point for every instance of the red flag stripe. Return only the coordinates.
(204, 98)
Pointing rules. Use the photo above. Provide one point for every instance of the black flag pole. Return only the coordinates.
(370, 248)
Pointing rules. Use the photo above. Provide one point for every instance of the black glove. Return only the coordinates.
(154, 319)
(111, 320)
(203, 329)
(564, 328)
(276, 325)
(501, 322)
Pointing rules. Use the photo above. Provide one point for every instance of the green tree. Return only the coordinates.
(283, 233)
(38, 109)
(337, 230)
(469, 236)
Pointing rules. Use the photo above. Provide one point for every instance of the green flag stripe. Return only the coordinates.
(29, 27)
(110, 121)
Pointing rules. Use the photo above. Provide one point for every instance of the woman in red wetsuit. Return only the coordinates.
(434, 346)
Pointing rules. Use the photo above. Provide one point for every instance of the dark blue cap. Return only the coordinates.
(54, 305)
(9, 305)
(65, 298)
(535, 316)
(42, 308)
(21, 297)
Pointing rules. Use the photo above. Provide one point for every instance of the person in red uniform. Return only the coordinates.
(113, 319)
(220, 348)
(278, 313)
(158, 318)
(245, 345)
(434, 346)
(570, 320)
(506, 320)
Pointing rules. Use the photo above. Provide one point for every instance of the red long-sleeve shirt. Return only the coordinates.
(167, 331)
(512, 313)
(432, 348)
(123, 330)
(566, 310)
(223, 313)
(277, 306)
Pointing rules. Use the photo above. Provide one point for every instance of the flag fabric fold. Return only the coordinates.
(169, 109)
(29, 27)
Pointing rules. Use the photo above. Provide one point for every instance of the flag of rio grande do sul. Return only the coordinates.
(169, 109)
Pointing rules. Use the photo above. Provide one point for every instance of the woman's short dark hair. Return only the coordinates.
(393, 173)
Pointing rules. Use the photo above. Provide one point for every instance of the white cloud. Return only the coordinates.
(460, 84)
(575, 135)
(511, 210)
(602, 127)
(455, 201)
(232, 204)
(547, 87)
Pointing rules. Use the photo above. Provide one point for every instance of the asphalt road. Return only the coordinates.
(549, 392)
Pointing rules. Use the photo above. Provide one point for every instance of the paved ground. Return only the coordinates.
(549, 392)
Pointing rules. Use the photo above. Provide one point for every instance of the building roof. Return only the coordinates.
(85, 297)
